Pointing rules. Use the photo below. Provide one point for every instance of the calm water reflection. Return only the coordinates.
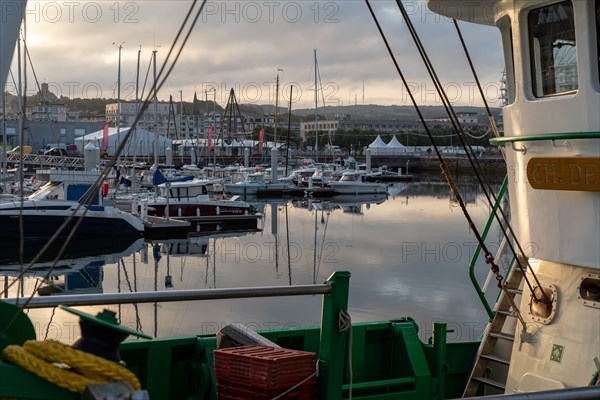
(408, 255)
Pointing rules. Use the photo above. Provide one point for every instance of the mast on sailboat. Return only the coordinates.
(155, 111)
(276, 108)
(316, 113)
(120, 46)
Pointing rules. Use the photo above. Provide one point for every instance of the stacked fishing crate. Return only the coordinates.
(260, 372)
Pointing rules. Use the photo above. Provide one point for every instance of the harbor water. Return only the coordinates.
(408, 254)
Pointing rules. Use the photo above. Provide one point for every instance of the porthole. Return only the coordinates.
(589, 290)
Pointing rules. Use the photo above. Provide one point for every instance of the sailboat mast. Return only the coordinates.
(119, 97)
(137, 100)
(155, 112)
(276, 108)
(316, 113)
(287, 146)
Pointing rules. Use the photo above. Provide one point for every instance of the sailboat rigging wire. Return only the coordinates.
(489, 258)
(473, 160)
(485, 103)
(146, 78)
(88, 196)
(37, 83)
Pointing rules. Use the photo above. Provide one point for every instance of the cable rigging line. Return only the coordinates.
(87, 198)
(473, 160)
(488, 255)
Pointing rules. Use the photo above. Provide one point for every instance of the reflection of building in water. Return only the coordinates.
(440, 190)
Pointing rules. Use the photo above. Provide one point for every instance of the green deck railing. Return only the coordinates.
(484, 234)
(501, 141)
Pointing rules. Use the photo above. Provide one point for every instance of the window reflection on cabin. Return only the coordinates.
(552, 49)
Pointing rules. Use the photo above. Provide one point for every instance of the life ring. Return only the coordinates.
(33, 180)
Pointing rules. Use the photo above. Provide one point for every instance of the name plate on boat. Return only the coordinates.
(564, 173)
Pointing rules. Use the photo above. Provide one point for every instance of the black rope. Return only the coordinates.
(89, 195)
(473, 160)
(488, 255)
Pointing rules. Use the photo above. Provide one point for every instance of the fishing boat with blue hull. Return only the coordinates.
(543, 337)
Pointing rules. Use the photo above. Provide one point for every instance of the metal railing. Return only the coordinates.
(169, 296)
(486, 230)
(47, 161)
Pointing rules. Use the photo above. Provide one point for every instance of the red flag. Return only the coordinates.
(105, 136)
(261, 137)
(210, 132)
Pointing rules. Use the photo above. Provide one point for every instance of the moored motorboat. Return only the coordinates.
(353, 182)
(68, 194)
(192, 199)
(251, 185)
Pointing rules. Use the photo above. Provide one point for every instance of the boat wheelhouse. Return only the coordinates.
(552, 150)
(192, 199)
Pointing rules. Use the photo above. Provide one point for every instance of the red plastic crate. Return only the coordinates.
(264, 371)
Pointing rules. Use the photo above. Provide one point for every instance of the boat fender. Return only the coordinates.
(104, 189)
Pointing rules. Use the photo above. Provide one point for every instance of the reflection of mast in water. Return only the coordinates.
(168, 277)
(274, 223)
(325, 222)
(138, 322)
(156, 254)
(315, 246)
(214, 263)
(287, 236)
(119, 289)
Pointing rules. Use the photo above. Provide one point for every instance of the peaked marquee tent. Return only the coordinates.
(141, 142)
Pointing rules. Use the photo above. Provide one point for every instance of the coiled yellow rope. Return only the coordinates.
(36, 357)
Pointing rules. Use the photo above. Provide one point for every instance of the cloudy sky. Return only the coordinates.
(242, 44)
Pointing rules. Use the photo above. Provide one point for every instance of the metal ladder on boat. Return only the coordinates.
(492, 361)
(493, 357)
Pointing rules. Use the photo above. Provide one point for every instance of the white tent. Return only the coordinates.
(140, 143)
(378, 147)
(395, 147)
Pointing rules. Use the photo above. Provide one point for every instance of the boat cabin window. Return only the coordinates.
(552, 49)
(350, 177)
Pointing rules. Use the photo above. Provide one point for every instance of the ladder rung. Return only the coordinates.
(514, 291)
(508, 313)
(495, 358)
(489, 382)
(500, 335)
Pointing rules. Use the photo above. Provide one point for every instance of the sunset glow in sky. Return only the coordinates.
(241, 44)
